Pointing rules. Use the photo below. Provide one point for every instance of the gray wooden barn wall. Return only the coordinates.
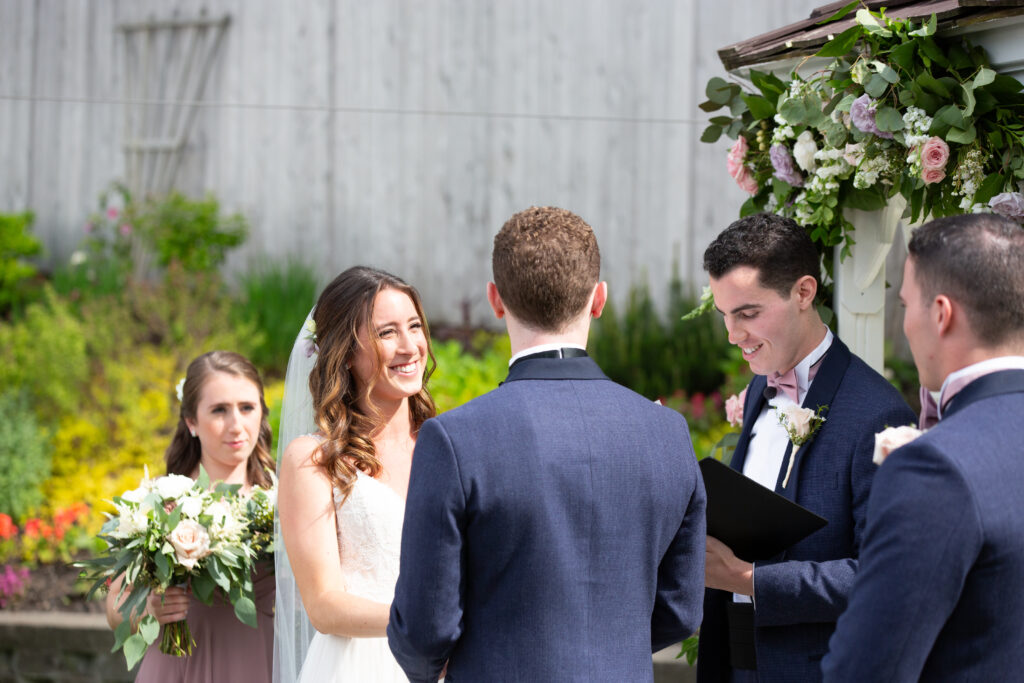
(399, 133)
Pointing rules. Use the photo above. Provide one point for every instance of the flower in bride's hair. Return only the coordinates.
(310, 337)
(891, 438)
(179, 388)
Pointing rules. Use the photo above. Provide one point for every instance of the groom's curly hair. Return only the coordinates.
(546, 263)
(342, 408)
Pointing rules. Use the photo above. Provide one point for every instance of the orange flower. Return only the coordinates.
(33, 528)
(8, 529)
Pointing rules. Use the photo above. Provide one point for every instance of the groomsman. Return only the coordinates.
(938, 596)
(771, 620)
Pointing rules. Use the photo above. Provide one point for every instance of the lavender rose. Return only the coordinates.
(782, 162)
(862, 113)
(1009, 204)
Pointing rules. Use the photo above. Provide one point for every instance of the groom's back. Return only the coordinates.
(575, 490)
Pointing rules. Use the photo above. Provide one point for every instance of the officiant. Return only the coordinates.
(771, 619)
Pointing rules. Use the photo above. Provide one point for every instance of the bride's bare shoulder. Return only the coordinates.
(301, 449)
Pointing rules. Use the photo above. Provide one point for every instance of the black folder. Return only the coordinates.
(754, 521)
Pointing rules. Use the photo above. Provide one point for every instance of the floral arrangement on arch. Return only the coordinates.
(897, 111)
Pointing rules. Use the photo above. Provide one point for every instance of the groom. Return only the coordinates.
(554, 529)
(938, 596)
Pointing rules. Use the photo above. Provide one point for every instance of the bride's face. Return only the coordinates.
(402, 345)
(227, 424)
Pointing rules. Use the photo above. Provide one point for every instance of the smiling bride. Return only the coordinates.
(342, 487)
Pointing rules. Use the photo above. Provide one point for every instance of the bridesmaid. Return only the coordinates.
(223, 426)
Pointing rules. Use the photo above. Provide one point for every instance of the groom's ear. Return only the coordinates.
(494, 299)
(598, 299)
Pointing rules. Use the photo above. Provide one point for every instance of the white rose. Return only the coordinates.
(173, 486)
(799, 420)
(135, 495)
(891, 438)
(804, 149)
(130, 523)
(191, 506)
(190, 541)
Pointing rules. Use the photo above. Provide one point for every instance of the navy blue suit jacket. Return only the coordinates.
(554, 531)
(800, 594)
(939, 596)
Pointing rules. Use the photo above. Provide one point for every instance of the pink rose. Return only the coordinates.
(112, 213)
(738, 152)
(191, 543)
(934, 155)
(891, 438)
(746, 181)
(126, 229)
(932, 175)
(734, 408)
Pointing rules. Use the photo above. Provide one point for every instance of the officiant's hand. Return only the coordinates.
(725, 571)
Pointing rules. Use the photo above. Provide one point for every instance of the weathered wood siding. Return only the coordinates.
(399, 133)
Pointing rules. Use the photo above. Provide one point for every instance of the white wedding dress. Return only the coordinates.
(369, 537)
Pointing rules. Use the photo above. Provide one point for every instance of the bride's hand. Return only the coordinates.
(170, 607)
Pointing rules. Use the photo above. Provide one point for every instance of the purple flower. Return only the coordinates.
(1009, 204)
(782, 162)
(862, 113)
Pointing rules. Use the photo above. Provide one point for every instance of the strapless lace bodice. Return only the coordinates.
(370, 537)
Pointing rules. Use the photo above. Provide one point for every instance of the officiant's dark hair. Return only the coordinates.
(185, 452)
(341, 408)
(546, 263)
(977, 260)
(780, 250)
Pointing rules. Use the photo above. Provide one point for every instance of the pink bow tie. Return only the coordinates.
(786, 383)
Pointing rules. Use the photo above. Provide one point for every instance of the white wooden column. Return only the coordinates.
(860, 281)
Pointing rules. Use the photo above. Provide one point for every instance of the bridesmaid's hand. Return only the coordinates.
(170, 607)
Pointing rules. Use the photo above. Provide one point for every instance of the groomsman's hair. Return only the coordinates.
(546, 263)
(978, 261)
(780, 250)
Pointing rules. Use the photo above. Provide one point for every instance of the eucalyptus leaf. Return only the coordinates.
(121, 634)
(770, 85)
(952, 115)
(202, 586)
(933, 85)
(218, 575)
(204, 478)
(969, 101)
(963, 137)
(869, 199)
(888, 119)
(835, 134)
(889, 74)
(721, 120)
(710, 106)
(149, 629)
(930, 48)
(876, 86)
(718, 90)
(135, 649)
(711, 133)
(793, 111)
(903, 55)
(245, 610)
(163, 568)
(734, 129)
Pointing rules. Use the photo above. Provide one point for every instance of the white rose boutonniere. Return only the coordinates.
(801, 424)
(891, 438)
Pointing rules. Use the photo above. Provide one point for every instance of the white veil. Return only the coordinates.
(292, 628)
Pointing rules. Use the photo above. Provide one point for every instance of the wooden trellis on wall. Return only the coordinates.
(167, 64)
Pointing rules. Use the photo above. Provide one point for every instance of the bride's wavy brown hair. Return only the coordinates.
(345, 306)
(185, 451)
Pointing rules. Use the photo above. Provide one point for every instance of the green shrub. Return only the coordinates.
(44, 356)
(656, 355)
(16, 244)
(462, 375)
(191, 232)
(24, 456)
(274, 299)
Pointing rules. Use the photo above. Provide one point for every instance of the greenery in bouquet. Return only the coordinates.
(895, 110)
(176, 531)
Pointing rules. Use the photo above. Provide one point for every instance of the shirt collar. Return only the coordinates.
(957, 380)
(803, 368)
(543, 347)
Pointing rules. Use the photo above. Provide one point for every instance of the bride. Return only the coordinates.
(342, 484)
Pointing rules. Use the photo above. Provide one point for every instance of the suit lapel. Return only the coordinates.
(751, 410)
(993, 384)
(822, 393)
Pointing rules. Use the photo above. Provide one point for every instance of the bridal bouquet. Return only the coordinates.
(176, 531)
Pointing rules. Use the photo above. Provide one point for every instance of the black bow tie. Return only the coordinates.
(564, 352)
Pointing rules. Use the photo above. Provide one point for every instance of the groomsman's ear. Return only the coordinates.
(494, 299)
(598, 299)
(943, 311)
